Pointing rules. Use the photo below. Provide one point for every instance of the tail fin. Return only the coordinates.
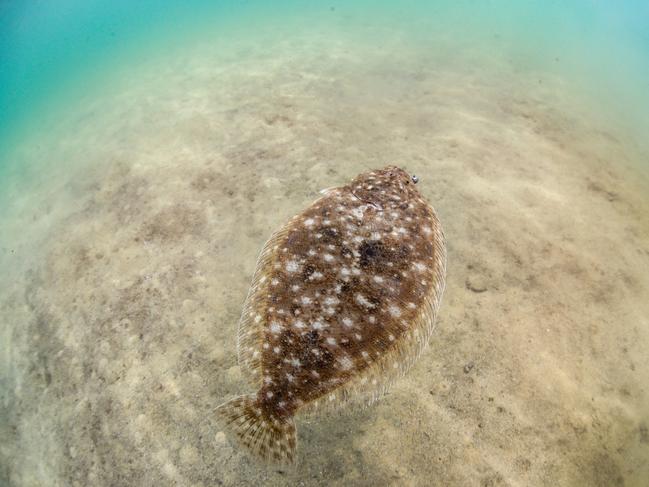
(272, 440)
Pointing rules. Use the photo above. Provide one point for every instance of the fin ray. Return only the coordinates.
(270, 440)
(250, 333)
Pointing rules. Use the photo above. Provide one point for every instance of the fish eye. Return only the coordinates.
(414, 178)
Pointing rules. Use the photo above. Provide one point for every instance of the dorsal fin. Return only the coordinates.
(252, 322)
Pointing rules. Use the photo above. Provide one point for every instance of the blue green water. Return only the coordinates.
(48, 47)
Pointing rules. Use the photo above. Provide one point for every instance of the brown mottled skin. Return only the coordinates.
(362, 260)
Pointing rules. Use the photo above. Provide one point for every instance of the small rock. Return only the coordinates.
(468, 367)
(476, 284)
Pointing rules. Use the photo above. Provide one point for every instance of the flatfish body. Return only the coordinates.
(342, 302)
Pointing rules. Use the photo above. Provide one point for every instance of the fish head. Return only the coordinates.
(388, 184)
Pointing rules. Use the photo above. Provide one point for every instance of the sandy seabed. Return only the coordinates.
(128, 255)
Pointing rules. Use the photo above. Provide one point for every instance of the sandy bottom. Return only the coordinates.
(128, 258)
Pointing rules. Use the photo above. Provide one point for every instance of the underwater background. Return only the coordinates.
(148, 149)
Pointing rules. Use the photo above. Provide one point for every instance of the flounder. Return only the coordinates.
(343, 300)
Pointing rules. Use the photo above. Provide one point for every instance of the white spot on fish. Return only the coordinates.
(419, 266)
(294, 362)
(346, 363)
(317, 325)
(363, 301)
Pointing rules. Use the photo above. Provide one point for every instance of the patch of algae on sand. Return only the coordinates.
(119, 330)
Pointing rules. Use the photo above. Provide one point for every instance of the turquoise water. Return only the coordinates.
(47, 47)
(48, 50)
